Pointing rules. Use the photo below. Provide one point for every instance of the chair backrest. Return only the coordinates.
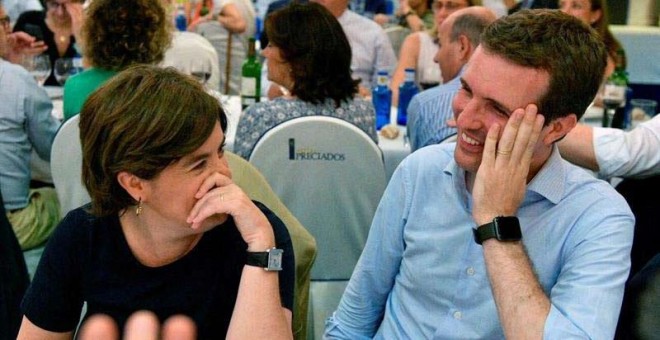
(248, 178)
(330, 174)
(66, 167)
(397, 34)
(231, 50)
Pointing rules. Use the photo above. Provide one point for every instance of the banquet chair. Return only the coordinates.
(66, 167)
(331, 175)
(248, 178)
(231, 50)
(397, 34)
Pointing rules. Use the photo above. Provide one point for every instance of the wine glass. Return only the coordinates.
(39, 67)
(64, 68)
(614, 95)
(200, 70)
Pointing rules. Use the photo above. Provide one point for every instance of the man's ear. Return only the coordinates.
(133, 185)
(559, 128)
(466, 48)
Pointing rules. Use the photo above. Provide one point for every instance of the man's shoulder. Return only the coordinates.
(431, 156)
(438, 93)
(13, 71)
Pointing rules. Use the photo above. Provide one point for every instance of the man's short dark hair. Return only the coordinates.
(571, 52)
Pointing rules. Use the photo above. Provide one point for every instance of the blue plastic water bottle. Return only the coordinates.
(181, 23)
(382, 99)
(406, 91)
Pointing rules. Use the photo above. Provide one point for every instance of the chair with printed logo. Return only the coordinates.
(331, 175)
(66, 167)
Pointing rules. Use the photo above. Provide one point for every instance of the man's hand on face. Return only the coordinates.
(501, 180)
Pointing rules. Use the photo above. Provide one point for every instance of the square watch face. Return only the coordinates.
(275, 259)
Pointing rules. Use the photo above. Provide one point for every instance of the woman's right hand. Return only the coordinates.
(77, 15)
(219, 196)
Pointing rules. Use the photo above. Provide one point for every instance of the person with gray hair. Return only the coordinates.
(496, 236)
(429, 111)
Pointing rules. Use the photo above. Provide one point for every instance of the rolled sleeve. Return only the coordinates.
(628, 154)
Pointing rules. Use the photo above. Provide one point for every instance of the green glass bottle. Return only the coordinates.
(614, 94)
(250, 77)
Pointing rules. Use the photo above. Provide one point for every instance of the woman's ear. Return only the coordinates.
(133, 185)
(595, 16)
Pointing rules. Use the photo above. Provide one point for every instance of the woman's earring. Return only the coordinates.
(138, 209)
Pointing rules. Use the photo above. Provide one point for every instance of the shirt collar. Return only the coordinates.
(549, 182)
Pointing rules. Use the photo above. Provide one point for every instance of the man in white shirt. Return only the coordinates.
(14, 8)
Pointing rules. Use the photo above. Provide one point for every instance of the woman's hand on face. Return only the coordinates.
(218, 197)
(76, 12)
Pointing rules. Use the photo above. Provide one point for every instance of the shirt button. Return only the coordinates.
(458, 315)
(470, 271)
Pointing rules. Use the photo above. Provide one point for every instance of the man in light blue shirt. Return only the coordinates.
(25, 123)
(458, 37)
(497, 236)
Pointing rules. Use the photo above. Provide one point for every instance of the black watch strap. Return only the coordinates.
(503, 228)
(270, 259)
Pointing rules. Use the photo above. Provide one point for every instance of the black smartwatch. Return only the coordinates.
(503, 228)
(270, 260)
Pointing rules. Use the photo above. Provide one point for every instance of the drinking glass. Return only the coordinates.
(64, 68)
(39, 67)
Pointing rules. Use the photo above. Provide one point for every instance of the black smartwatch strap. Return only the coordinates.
(484, 232)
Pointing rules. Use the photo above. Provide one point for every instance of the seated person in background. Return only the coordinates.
(59, 24)
(415, 14)
(594, 13)
(516, 5)
(316, 74)
(15, 8)
(551, 250)
(167, 229)
(226, 13)
(25, 124)
(370, 47)
(430, 110)
(117, 34)
(419, 48)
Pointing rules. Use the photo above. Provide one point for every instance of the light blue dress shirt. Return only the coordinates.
(25, 123)
(428, 113)
(422, 276)
(371, 48)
